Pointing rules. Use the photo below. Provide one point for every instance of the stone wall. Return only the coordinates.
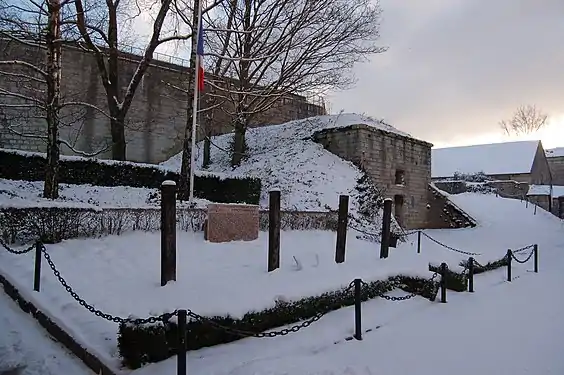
(381, 155)
(156, 119)
(442, 213)
(540, 171)
(556, 165)
(506, 189)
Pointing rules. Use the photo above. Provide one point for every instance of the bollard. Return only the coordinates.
(342, 223)
(471, 275)
(181, 355)
(536, 255)
(386, 223)
(274, 226)
(443, 282)
(168, 232)
(37, 270)
(357, 310)
(509, 256)
(418, 242)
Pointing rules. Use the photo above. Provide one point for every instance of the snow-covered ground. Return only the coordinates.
(25, 345)
(120, 275)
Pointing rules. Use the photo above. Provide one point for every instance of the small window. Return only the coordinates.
(400, 178)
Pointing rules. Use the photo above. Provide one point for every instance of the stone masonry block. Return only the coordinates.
(232, 222)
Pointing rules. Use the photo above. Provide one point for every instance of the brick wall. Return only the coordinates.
(556, 165)
(381, 154)
(156, 119)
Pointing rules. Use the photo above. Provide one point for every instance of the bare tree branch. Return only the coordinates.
(527, 119)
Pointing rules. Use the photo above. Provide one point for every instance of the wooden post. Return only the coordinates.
(386, 223)
(536, 256)
(274, 231)
(181, 355)
(342, 224)
(357, 310)
(418, 242)
(37, 270)
(444, 269)
(471, 275)
(535, 212)
(168, 232)
(509, 256)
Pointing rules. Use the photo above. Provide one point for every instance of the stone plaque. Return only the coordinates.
(232, 222)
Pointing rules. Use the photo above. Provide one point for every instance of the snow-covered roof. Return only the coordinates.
(555, 152)
(557, 191)
(491, 159)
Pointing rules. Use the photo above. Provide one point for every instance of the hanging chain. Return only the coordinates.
(17, 252)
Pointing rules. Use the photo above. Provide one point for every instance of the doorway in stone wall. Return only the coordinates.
(398, 209)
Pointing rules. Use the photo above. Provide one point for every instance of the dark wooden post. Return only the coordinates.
(418, 242)
(536, 255)
(274, 231)
(357, 310)
(509, 256)
(181, 355)
(471, 275)
(168, 232)
(535, 212)
(444, 269)
(342, 224)
(386, 223)
(37, 270)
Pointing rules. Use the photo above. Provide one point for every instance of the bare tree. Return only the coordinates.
(32, 84)
(271, 48)
(527, 119)
(100, 33)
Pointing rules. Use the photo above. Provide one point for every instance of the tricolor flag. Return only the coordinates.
(200, 57)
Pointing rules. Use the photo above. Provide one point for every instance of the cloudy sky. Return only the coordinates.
(454, 68)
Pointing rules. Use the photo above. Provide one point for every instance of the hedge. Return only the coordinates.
(79, 171)
(141, 344)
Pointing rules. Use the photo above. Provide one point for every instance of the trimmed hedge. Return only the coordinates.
(490, 266)
(141, 344)
(80, 171)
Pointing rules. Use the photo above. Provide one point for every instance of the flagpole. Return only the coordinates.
(195, 106)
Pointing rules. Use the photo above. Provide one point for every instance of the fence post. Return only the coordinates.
(418, 242)
(274, 231)
(535, 212)
(342, 228)
(509, 256)
(471, 275)
(357, 310)
(536, 255)
(386, 223)
(37, 270)
(443, 282)
(168, 231)
(181, 355)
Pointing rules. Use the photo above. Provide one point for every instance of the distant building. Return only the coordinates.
(555, 159)
(523, 161)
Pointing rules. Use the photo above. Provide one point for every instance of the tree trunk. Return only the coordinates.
(52, 38)
(238, 143)
(117, 129)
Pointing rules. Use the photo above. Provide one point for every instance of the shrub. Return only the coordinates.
(490, 266)
(454, 280)
(141, 344)
(75, 170)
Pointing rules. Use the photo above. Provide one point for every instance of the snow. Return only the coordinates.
(24, 344)
(491, 159)
(286, 158)
(555, 152)
(557, 191)
(120, 275)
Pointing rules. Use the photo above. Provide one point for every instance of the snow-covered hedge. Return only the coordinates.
(27, 166)
(141, 344)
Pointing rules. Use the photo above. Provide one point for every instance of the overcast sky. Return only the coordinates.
(454, 68)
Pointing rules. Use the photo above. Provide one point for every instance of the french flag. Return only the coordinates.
(200, 57)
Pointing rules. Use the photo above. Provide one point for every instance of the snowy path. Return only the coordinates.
(504, 328)
(24, 343)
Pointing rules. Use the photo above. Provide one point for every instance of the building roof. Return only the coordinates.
(554, 152)
(491, 159)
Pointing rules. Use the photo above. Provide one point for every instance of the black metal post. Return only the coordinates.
(418, 242)
(471, 275)
(536, 255)
(386, 224)
(443, 282)
(37, 270)
(357, 310)
(509, 256)
(274, 227)
(342, 229)
(181, 356)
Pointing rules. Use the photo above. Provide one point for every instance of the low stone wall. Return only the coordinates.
(506, 189)
(55, 224)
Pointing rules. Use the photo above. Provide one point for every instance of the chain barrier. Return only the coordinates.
(522, 261)
(116, 319)
(392, 298)
(355, 228)
(17, 252)
(449, 247)
(523, 249)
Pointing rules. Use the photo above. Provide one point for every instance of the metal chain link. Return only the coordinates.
(393, 298)
(523, 249)
(448, 247)
(522, 261)
(116, 319)
(17, 252)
